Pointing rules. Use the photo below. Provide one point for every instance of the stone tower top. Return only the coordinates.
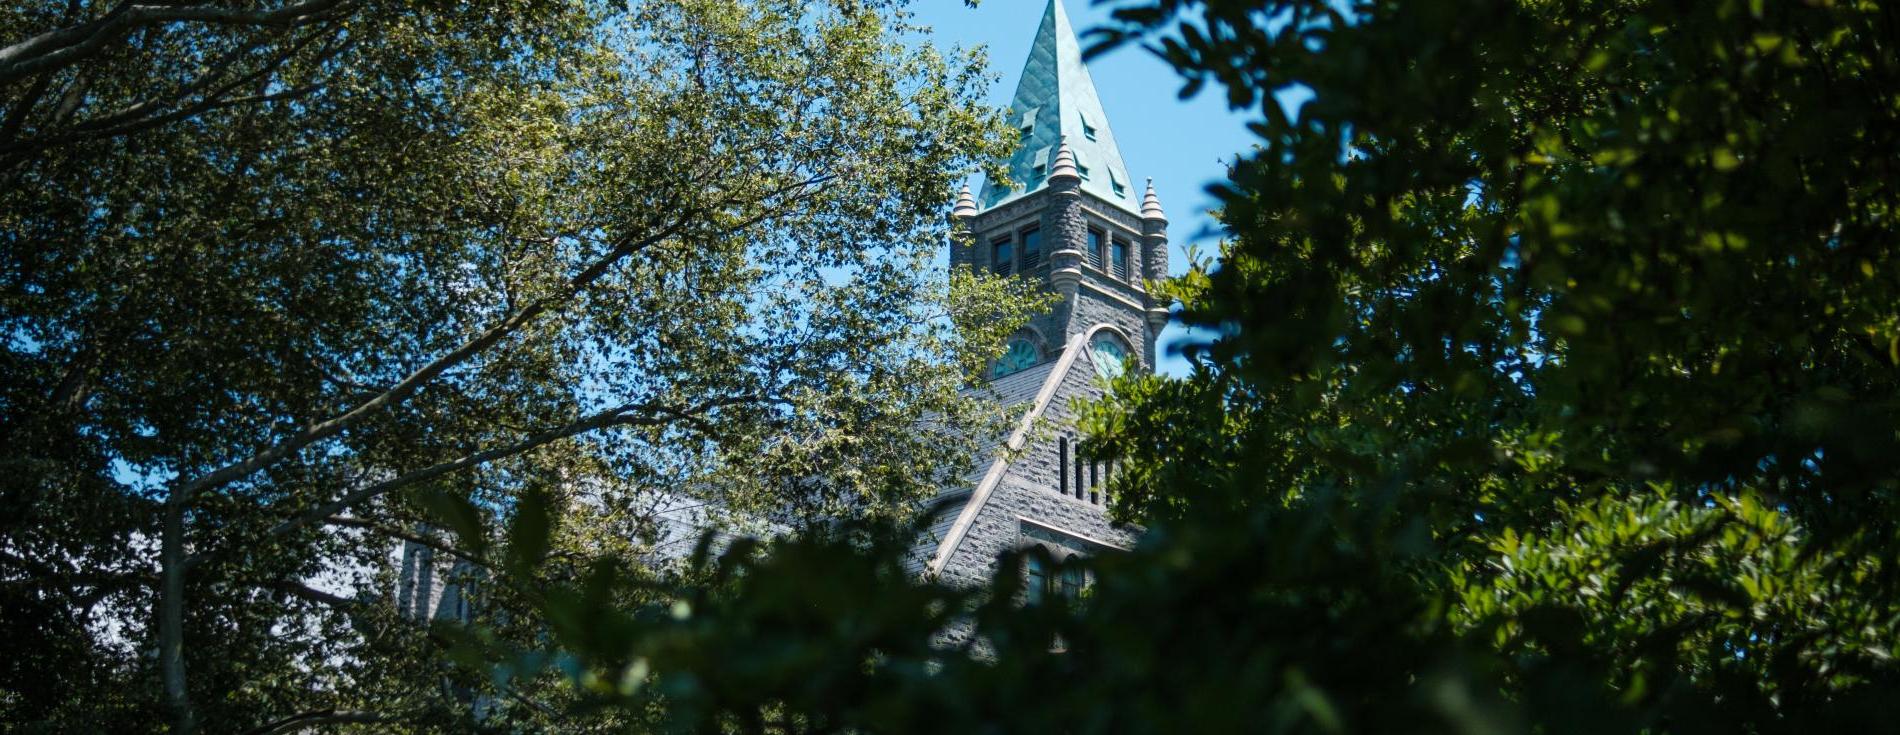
(1070, 219)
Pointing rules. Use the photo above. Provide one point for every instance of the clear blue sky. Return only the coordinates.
(1182, 144)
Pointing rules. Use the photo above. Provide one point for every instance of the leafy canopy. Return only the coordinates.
(284, 286)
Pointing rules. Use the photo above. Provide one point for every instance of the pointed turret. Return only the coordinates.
(1154, 253)
(1056, 100)
(1064, 167)
(966, 205)
(1151, 204)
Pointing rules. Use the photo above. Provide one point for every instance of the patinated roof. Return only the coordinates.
(1056, 100)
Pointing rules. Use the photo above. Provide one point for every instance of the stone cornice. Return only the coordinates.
(1131, 297)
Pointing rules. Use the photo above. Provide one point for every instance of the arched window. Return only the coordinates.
(1051, 579)
(1037, 573)
(1110, 355)
(1017, 356)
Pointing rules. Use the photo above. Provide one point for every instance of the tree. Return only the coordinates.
(284, 285)
(1598, 294)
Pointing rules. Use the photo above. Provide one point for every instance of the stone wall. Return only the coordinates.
(1030, 489)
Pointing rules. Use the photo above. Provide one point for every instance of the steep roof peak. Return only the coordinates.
(1056, 99)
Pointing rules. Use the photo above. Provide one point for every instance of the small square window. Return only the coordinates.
(1088, 131)
(1038, 172)
(1084, 171)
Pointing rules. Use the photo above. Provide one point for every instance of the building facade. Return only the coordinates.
(1070, 219)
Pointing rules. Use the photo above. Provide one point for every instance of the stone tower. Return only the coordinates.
(1071, 220)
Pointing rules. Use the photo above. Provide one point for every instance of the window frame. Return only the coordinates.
(1024, 238)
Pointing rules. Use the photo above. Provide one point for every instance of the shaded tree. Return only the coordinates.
(282, 284)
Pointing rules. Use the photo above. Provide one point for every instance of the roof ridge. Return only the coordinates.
(994, 477)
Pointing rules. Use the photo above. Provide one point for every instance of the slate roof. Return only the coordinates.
(1017, 388)
(1056, 100)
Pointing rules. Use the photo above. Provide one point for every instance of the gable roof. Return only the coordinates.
(1046, 378)
(1056, 100)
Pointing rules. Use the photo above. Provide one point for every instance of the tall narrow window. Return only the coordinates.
(1000, 257)
(1095, 248)
(1032, 248)
(1118, 259)
(1079, 489)
(1069, 583)
(1062, 463)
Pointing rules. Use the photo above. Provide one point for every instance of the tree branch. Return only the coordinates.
(297, 589)
(62, 47)
(417, 539)
(414, 382)
(305, 720)
(628, 415)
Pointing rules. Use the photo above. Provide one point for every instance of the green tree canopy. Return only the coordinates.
(284, 283)
(1595, 302)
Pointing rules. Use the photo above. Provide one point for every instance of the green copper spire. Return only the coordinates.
(1055, 99)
